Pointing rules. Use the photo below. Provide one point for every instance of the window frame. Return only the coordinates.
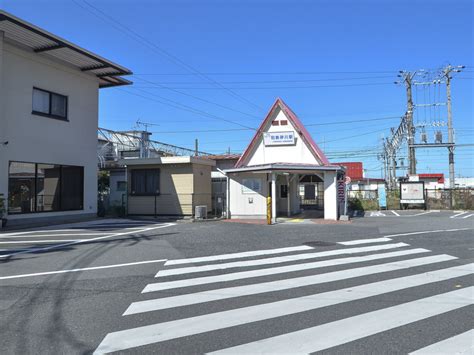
(146, 171)
(35, 187)
(245, 189)
(50, 114)
(119, 183)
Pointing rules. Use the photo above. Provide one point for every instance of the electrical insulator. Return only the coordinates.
(439, 137)
(424, 137)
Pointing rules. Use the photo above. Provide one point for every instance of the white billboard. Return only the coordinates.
(412, 192)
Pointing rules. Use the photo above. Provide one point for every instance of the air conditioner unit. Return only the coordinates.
(200, 212)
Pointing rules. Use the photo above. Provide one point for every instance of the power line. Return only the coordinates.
(272, 87)
(201, 131)
(200, 99)
(135, 35)
(267, 81)
(278, 73)
(354, 136)
(354, 121)
(183, 107)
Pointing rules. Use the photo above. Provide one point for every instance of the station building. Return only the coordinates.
(283, 162)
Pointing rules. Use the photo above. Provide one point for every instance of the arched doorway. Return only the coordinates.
(311, 192)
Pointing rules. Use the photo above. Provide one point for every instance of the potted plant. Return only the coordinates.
(3, 212)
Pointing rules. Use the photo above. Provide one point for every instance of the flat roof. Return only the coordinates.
(167, 160)
(45, 43)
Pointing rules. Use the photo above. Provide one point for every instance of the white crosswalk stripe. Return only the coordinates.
(277, 260)
(349, 329)
(381, 263)
(461, 344)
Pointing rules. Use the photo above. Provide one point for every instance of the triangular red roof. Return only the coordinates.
(301, 129)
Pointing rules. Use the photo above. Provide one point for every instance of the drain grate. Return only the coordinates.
(319, 243)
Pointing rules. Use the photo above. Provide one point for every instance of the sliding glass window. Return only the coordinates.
(44, 188)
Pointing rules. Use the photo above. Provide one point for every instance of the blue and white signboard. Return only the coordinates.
(278, 138)
(382, 196)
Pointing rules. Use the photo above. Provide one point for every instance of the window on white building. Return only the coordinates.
(251, 186)
(49, 104)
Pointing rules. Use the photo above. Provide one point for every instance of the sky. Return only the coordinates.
(210, 70)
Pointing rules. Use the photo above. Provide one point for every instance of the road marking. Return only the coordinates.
(349, 329)
(237, 255)
(160, 286)
(395, 213)
(469, 215)
(42, 231)
(196, 325)
(195, 281)
(56, 246)
(377, 214)
(278, 285)
(40, 241)
(459, 214)
(81, 269)
(365, 241)
(459, 344)
(419, 214)
(275, 260)
(427, 232)
(2, 236)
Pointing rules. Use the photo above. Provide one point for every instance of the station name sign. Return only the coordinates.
(279, 138)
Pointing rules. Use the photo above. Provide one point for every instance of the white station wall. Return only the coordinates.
(245, 204)
(41, 139)
(297, 153)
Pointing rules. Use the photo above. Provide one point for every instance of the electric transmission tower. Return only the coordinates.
(434, 117)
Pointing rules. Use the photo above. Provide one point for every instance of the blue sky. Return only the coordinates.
(331, 61)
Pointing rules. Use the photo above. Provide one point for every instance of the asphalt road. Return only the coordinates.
(394, 282)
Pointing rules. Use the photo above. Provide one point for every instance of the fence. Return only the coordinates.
(441, 199)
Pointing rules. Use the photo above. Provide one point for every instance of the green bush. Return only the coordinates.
(3, 210)
(360, 204)
(116, 211)
(393, 200)
(463, 199)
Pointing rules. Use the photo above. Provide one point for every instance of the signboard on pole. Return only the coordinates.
(412, 192)
(341, 191)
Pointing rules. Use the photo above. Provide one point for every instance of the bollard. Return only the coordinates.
(269, 210)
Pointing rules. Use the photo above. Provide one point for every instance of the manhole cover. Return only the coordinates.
(319, 243)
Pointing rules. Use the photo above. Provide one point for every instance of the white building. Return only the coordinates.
(48, 122)
(282, 162)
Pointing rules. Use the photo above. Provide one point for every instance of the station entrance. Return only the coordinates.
(311, 192)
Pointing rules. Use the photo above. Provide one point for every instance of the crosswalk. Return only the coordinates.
(190, 289)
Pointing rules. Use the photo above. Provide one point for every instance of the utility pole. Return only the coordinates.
(394, 170)
(407, 78)
(447, 75)
(196, 147)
